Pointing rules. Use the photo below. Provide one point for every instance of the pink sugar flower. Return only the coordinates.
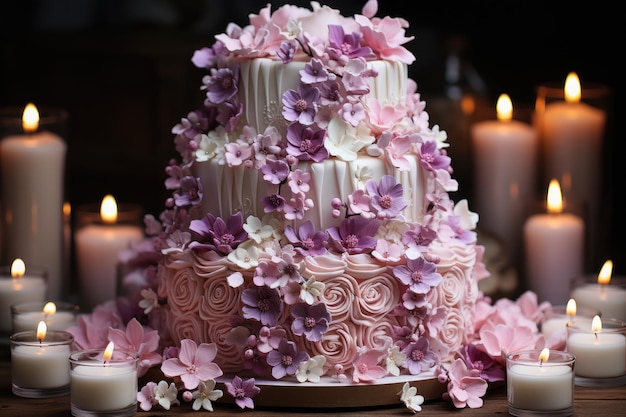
(243, 391)
(367, 367)
(194, 363)
(465, 387)
(135, 339)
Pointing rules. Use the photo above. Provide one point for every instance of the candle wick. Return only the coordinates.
(540, 363)
(596, 334)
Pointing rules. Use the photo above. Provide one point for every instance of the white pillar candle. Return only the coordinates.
(554, 244)
(103, 385)
(608, 299)
(98, 246)
(26, 316)
(32, 171)
(19, 286)
(600, 352)
(504, 175)
(555, 321)
(40, 363)
(540, 385)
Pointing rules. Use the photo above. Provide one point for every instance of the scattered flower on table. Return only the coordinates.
(411, 399)
(162, 394)
(206, 393)
(243, 391)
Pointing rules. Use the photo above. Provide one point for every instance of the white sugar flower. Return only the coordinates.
(294, 28)
(311, 290)
(409, 397)
(257, 231)
(364, 174)
(469, 219)
(211, 143)
(205, 394)
(176, 242)
(395, 358)
(342, 141)
(311, 370)
(166, 395)
(246, 256)
(149, 300)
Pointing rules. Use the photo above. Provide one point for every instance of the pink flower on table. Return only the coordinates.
(243, 391)
(497, 339)
(465, 387)
(136, 340)
(91, 330)
(194, 363)
(367, 367)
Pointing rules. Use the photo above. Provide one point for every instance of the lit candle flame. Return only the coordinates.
(50, 308)
(596, 325)
(18, 268)
(41, 330)
(572, 88)
(604, 277)
(108, 209)
(504, 108)
(67, 209)
(108, 352)
(30, 118)
(544, 355)
(554, 200)
(570, 308)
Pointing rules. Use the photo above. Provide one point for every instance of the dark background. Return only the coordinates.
(122, 69)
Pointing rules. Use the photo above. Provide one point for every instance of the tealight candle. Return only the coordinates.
(554, 249)
(609, 300)
(20, 285)
(57, 316)
(504, 166)
(104, 382)
(540, 382)
(98, 245)
(600, 352)
(556, 319)
(39, 362)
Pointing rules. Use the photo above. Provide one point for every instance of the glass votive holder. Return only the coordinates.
(103, 383)
(18, 288)
(609, 299)
(600, 351)
(555, 320)
(59, 315)
(98, 243)
(40, 367)
(538, 386)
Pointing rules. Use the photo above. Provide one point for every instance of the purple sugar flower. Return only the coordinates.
(480, 361)
(331, 94)
(243, 391)
(218, 235)
(273, 202)
(190, 192)
(263, 304)
(354, 235)
(344, 46)
(301, 105)
(275, 172)
(418, 274)
(287, 51)
(286, 359)
(307, 241)
(419, 237)
(266, 273)
(314, 72)
(221, 85)
(431, 158)
(466, 236)
(229, 114)
(387, 197)
(419, 357)
(306, 143)
(312, 321)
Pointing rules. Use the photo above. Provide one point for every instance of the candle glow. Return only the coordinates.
(554, 200)
(18, 268)
(572, 88)
(30, 118)
(596, 324)
(108, 352)
(50, 308)
(570, 308)
(42, 329)
(504, 108)
(108, 209)
(544, 355)
(604, 277)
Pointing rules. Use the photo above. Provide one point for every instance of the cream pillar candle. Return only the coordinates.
(57, 316)
(609, 300)
(554, 244)
(504, 173)
(32, 170)
(20, 285)
(104, 381)
(98, 246)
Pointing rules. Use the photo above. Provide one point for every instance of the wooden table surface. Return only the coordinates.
(593, 402)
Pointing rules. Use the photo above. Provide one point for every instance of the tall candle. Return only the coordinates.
(40, 362)
(32, 169)
(104, 382)
(98, 246)
(609, 300)
(572, 133)
(535, 383)
(20, 286)
(600, 352)
(554, 244)
(504, 174)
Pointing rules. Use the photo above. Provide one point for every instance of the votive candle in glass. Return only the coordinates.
(19, 283)
(58, 315)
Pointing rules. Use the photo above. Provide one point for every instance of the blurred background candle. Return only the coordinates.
(19, 284)
(600, 352)
(540, 382)
(572, 135)
(40, 362)
(32, 168)
(98, 243)
(504, 166)
(57, 316)
(554, 244)
(608, 299)
(103, 382)
(555, 320)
